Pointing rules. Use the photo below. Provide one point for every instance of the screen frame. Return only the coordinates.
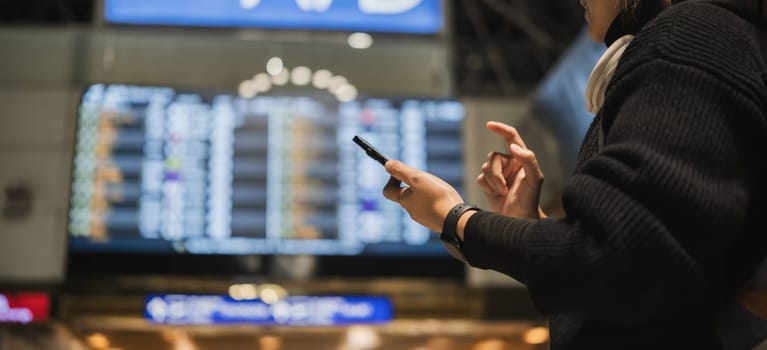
(264, 266)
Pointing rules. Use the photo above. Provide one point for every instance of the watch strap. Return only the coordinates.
(449, 236)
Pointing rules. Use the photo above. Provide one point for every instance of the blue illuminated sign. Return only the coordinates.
(400, 16)
(299, 311)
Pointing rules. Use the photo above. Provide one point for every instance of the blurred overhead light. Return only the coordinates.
(490, 344)
(248, 291)
(97, 341)
(262, 82)
(270, 342)
(243, 291)
(321, 78)
(274, 66)
(336, 82)
(537, 335)
(361, 338)
(346, 93)
(360, 40)
(247, 89)
(272, 293)
(281, 78)
(298, 76)
(301, 76)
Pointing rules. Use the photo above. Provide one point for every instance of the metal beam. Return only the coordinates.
(492, 52)
(520, 17)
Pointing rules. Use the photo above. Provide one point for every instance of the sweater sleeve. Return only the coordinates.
(649, 218)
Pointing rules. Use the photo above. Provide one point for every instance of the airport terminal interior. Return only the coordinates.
(181, 175)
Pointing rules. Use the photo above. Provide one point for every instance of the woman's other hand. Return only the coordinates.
(512, 182)
(426, 197)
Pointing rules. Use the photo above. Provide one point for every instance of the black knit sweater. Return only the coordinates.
(668, 218)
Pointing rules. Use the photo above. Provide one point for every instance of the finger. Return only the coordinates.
(528, 160)
(508, 167)
(392, 190)
(484, 185)
(402, 171)
(517, 183)
(504, 157)
(513, 168)
(494, 172)
(509, 133)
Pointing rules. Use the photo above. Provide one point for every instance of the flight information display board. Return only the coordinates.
(391, 16)
(162, 170)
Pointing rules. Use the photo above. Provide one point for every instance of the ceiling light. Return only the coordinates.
(247, 89)
(272, 293)
(274, 66)
(97, 341)
(360, 40)
(270, 342)
(281, 78)
(490, 344)
(321, 78)
(336, 82)
(346, 93)
(248, 291)
(262, 82)
(537, 335)
(362, 338)
(234, 292)
(301, 76)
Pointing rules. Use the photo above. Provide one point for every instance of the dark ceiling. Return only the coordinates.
(500, 47)
(504, 47)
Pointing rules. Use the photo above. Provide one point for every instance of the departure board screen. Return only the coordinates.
(163, 170)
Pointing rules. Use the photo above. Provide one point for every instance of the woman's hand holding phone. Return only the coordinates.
(425, 197)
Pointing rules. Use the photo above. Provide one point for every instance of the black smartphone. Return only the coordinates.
(371, 151)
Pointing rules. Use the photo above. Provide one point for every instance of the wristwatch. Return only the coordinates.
(449, 236)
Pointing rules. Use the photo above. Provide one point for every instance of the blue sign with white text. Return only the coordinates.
(394, 16)
(294, 311)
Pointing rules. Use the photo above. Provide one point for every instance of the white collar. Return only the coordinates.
(603, 72)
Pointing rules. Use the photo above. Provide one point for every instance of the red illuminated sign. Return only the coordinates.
(24, 307)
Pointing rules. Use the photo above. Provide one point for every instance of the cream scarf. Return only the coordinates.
(603, 72)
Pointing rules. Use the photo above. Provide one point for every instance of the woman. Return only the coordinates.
(664, 210)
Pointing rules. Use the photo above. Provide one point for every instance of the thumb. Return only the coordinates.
(527, 159)
(393, 190)
(400, 171)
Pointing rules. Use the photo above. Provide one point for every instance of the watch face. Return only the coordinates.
(453, 246)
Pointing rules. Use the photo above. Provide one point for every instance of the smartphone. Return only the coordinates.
(371, 151)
